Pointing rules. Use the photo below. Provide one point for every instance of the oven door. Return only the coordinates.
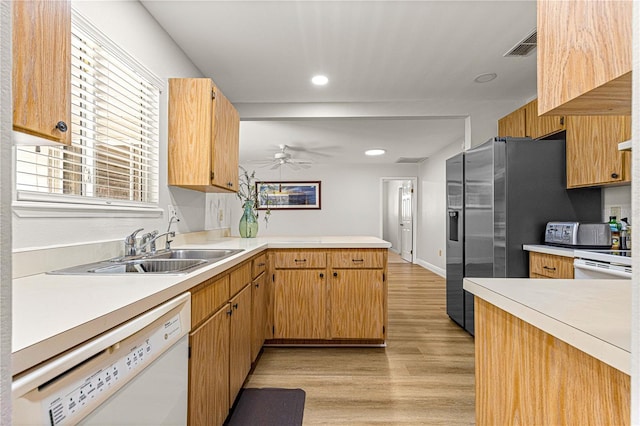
(592, 270)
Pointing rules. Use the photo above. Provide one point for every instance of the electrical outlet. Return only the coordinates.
(172, 211)
(220, 215)
(616, 211)
(439, 252)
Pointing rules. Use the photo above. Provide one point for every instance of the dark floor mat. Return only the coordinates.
(267, 407)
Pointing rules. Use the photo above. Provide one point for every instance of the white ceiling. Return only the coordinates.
(372, 51)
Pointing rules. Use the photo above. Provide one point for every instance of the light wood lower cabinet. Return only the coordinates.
(341, 298)
(542, 265)
(209, 370)
(258, 314)
(357, 304)
(525, 376)
(299, 304)
(239, 342)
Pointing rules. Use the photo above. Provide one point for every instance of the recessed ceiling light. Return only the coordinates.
(485, 78)
(320, 80)
(373, 152)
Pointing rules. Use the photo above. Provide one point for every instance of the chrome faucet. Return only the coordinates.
(150, 241)
(130, 245)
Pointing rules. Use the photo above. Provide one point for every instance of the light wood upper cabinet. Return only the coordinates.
(593, 158)
(42, 69)
(584, 57)
(203, 137)
(513, 124)
(209, 370)
(536, 126)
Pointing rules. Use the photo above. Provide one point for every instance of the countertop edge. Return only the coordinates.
(606, 352)
(556, 251)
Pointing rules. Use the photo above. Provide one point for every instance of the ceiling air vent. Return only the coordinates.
(410, 160)
(524, 47)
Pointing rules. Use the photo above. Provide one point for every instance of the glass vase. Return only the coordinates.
(248, 222)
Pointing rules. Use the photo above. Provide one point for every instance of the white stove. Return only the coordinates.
(602, 264)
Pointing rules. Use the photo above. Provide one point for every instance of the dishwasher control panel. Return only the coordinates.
(92, 382)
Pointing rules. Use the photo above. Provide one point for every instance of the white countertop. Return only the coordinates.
(557, 251)
(591, 315)
(52, 313)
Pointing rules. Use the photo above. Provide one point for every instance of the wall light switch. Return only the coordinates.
(172, 211)
(616, 211)
(220, 215)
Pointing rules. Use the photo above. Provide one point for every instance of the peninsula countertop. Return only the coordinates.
(52, 313)
(593, 316)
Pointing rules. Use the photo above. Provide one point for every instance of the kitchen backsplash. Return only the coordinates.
(617, 197)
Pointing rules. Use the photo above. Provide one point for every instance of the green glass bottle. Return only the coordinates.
(248, 222)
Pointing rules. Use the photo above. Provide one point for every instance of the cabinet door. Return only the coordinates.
(189, 145)
(42, 69)
(593, 157)
(536, 126)
(209, 370)
(258, 314)
(239, 342)
(299, 305)
(513, 124)
(357, 304)
(226, 137)
(584, 57)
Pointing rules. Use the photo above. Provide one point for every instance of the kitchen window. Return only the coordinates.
(113, 157)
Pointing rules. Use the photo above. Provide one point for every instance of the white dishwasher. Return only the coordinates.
(134, 374)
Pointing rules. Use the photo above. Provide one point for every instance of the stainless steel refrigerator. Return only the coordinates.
(511, 188)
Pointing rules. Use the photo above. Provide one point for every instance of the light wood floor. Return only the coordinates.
(425, 375)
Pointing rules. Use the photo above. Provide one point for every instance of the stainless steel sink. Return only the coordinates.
(179, 261)
(212, 255)
(150, 266)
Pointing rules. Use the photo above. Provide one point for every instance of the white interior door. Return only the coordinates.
(406, 222)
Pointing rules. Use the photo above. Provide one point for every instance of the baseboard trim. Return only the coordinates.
(433, 268)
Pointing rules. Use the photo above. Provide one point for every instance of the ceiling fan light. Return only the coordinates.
(375, 152)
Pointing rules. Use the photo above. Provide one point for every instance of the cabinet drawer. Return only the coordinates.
(300, 259)
(205, 301)
(240, 278)
(550, 266)
(357, 259)
(259, 265)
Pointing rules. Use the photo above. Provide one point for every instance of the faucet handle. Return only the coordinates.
(131, 239)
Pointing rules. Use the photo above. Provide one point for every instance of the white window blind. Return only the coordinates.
(113, 157)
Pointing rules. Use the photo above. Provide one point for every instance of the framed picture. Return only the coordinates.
(288, 195)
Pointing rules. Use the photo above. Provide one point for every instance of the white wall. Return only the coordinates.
(390, 213)
(130, 26)
(350, 197)
(617, 196)
(432, 229)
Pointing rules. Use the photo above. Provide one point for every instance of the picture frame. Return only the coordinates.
(288, 195)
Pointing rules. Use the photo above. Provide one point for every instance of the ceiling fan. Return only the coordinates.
(284, 158)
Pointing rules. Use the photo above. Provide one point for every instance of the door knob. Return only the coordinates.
(62, 126)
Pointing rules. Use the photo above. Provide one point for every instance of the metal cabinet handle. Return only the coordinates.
(230, 184)
(235, 306)
(321, 275)
(62, 126)
(257, 285)
(229, 312)
(335, 274)
(549, 268)
(614, 175)
(357, 260)
(299, 260)
(261, 264)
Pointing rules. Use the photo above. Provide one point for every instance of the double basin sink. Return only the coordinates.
(178, 261)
